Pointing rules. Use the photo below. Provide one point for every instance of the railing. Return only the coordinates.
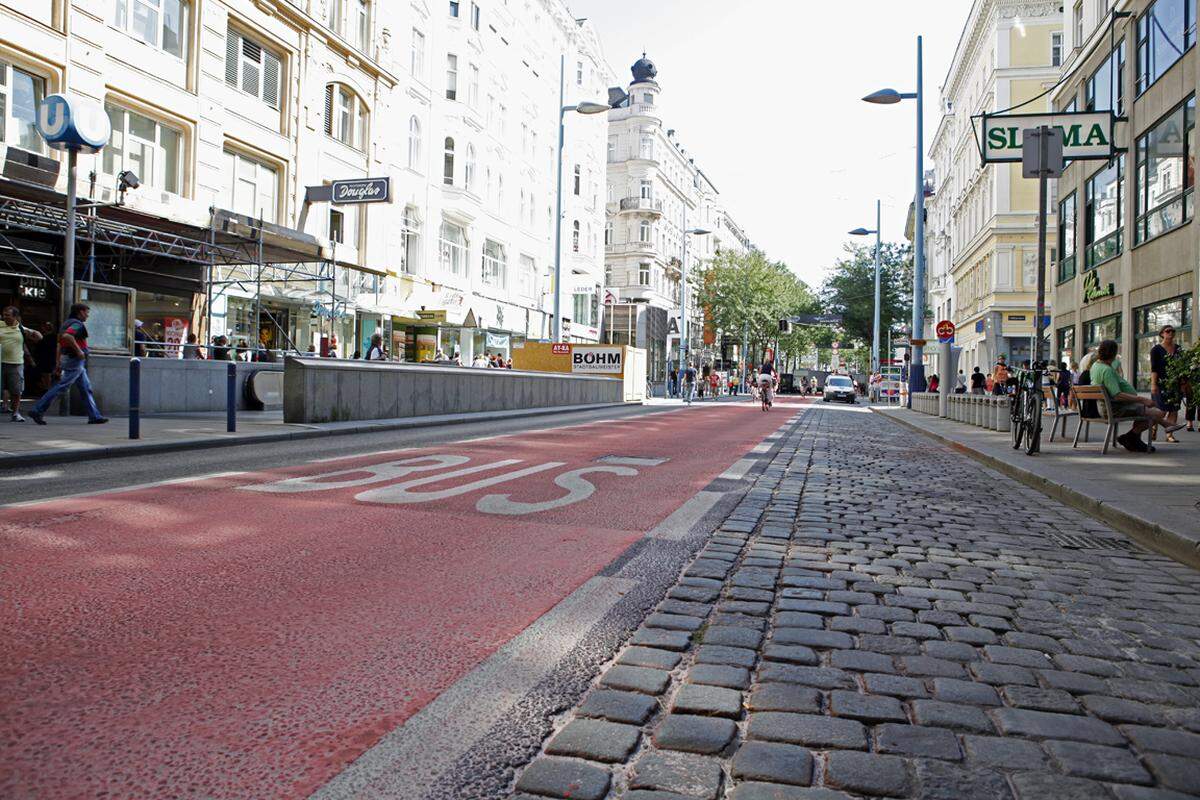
(981, 410)
(641, 204)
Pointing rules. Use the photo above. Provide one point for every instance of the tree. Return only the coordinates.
(850, 291)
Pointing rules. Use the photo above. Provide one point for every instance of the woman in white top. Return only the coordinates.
(376, 352)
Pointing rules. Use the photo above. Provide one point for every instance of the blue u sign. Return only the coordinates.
(73, 123)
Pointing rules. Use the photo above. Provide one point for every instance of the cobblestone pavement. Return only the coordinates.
(881, 616)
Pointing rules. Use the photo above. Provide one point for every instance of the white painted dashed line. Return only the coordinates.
(738, 470)
(122, 489)
(683, 519)
(411, 760)
(762, 447)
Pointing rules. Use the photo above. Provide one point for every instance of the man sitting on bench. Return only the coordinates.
(1126, 402)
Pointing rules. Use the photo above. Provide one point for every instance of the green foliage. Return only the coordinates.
(1183, 372)
(850, 291)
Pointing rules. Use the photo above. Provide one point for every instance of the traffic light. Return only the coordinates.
(785, 326)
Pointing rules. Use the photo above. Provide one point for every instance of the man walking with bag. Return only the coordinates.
(72, 365)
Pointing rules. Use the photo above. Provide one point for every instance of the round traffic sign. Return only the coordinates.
(945, 331)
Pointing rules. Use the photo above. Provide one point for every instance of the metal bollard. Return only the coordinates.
(231, 398)
(135, 398)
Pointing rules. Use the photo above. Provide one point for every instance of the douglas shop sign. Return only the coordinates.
(361, 190)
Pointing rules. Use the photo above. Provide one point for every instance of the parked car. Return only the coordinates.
(839, 387)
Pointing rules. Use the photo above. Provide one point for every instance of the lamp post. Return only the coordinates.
(580, 108)
(875, 324)
(916, 370)
(683, 290)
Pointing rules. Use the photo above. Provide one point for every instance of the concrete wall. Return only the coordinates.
(168, 385)
(324, 390)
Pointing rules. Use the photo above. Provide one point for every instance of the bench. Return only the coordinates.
(1104, 414)
(1052, 407)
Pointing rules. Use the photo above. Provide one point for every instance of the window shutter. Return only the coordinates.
(232, 50)
(329, 110)
(250, 67)
(271, 77)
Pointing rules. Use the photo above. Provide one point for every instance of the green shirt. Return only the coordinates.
(1104, 375)
(12, 344)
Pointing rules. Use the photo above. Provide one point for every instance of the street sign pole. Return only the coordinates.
(1041, 157)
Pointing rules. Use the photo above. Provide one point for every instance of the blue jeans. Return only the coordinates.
(73, 370)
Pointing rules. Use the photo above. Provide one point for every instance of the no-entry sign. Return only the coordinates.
(945, 331)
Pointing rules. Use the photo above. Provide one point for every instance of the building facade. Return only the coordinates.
(245, 107)
(981, 237)
(1128, 247)
(655, 194)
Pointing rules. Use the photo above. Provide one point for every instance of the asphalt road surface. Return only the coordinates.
(249, 622)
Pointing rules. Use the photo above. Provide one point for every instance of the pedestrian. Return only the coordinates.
(960, 383)
(933, 383)
(689, 383)
(1166, 399)
(375, 351)
(72, 366)
(13, 352)
(479, 361)
(508, 363)
(1062, 384)
(191, 350)
(220, 348)
(1000, 377)
(714, 383)
(312, 349)
(140, 338)
(439, 356)
(734, 378)
(44, 354)
(978, 382)
(672, 382)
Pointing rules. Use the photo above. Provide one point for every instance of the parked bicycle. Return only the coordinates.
(1026, 405)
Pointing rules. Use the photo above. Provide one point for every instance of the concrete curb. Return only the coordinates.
(1152, 535)
(43, 457)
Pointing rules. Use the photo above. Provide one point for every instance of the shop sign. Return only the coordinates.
(606, 360)
(438, 315)
(499, 340)
(561, 349)
(361, 190)
(1086, 135)
(1092, 290)
(34, 289)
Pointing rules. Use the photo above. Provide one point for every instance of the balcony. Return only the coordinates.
(653, 207)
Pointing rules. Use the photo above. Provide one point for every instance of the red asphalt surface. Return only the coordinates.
(202, 640)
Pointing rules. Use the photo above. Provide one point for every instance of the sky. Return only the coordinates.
(766, 96)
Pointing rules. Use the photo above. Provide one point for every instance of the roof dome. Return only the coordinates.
(644, 70)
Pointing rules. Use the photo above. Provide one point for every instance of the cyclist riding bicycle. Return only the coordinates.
(766, 380)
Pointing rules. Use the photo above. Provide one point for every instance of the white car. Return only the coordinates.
(839, 387)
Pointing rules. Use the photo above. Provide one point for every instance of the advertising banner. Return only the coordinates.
(597, 360)
(1085, 134)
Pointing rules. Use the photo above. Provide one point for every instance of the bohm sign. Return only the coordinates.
(1086, 135)
(73, 123)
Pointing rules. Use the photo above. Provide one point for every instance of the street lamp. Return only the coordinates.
(916, 370)
(875, 324)
(586, 107)
(683, 319)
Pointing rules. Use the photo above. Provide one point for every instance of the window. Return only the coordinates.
(252, 68)
(153, 151)
(362, 24)
(495, 264)
(1165, 173)
(454, 8)
(1106, 86)
(1147, 322)
(453, 249)
(524, 206)
(159, 23)
(251, 187)
(1102, 216)
(646, 147)
(448, 162)
(21, 93)
(337, 225)
(644, 274)
(451, 76)
(586, 307)
(647, 190)
(500, 194)
(575, 236)
(1077, 17)
(644, 232)
(410, 254)
(345, 116)
(473, 89)
(1097, 330)
(579, 73)
(334, 21)
(648, 99)
(612, 148)
(577, 180)
(1065, 338)
(608, 233)
(418, 54)
(414, 143)
(528, 277)
(1056, 48)
(1066, 238)
(469, 174)
(1164, 33)
(475, 16)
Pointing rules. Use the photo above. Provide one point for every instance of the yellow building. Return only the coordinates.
(981, 239)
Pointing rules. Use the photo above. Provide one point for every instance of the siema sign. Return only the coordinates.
(606, 360)
(73, 123)
(1085, 135)
(361, 190)
(945, 331)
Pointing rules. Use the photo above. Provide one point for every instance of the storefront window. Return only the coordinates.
(1164, 33)
(1065, 339)
(1097, 330)
(1165, 173)
(1147, 322)
(1105, 199)
(20, 95)
(148, 148)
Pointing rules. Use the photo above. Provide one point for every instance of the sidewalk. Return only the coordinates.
(1154, 498)
(70, 438)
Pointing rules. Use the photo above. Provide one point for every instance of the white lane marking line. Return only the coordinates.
(410, 761)
(681, 521)
(739, 469)
(122, 489)
(34, 476)
(762, 447)
(632, 461)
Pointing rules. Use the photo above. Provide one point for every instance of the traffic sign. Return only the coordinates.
(917, 342)
(945, 331)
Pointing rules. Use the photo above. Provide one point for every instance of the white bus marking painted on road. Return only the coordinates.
(577, 490)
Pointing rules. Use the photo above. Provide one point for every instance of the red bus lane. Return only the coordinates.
(250, 635)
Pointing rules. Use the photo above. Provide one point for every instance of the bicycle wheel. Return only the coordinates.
(1033, 426)
(1017, 421)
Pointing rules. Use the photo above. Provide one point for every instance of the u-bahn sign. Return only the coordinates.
(68, 122)
(1087, 135)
